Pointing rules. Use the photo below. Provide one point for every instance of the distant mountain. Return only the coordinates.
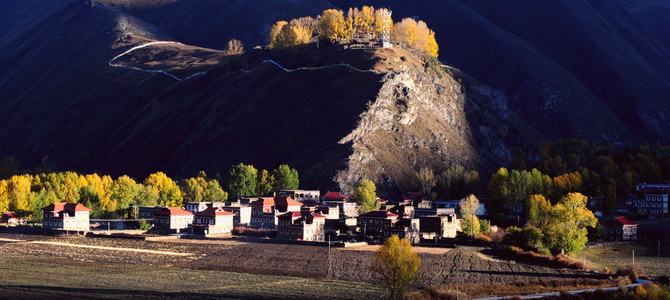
(654, 15)
(535, 71)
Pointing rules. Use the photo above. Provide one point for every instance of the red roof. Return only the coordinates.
(263, 201)
(70, 207)
(173, 211)
(10, 215)
(618, 221)
(286, 201)
(334, 196)
(214, 211)
(379, 214)
(380, 200)
(276, 201)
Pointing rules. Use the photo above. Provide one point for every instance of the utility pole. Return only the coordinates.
(633, 256)
(659, 249)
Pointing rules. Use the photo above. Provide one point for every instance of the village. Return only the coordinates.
(306, 216)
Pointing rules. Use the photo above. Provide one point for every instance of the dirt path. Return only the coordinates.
(97, 247)
(425, 250)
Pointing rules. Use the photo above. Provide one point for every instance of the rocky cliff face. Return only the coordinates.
(426, 117)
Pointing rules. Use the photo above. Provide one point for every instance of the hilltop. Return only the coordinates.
(341, 115)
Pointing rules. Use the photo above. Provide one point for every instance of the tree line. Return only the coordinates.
(27, 194)
(334, 26)
(606, 173)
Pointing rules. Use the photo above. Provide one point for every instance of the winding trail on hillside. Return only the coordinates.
(113, 63)
(319, 68)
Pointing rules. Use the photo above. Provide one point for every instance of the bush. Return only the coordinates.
(255, 232)
(144, 225)
(631, 271)
(559, 261)
(433, 292)
(483, 236)
(527, 237)
(484, 225)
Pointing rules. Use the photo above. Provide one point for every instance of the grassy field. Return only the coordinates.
(62, 267)
(615, 255)
(36, 277)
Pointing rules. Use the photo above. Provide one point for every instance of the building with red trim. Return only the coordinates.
(67, 216)
(620, 229)
(265, 210)
(213, 220)
(301, 225)
(173, 219)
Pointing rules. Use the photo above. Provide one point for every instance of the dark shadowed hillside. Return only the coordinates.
(339, 114)
(586, 65)
(654, 15)
(555, 70)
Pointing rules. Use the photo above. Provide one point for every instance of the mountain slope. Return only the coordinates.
(586, 65)
(108, 105)
(654, 15)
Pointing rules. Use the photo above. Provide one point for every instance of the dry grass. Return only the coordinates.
(425, 250)
(26, 276)
(519, 287)
(616, 255)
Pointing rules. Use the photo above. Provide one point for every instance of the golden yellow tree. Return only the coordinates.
(416, 35)
(234, 47)
(567, 222)
(364, 20)
(425, 40)
(287, 36)
(168, 191)
(304, 28)
(380, 18)
(331, 25)
(538, 210)
(274, 32)
(396, 265)
(19, 195)
(4, 196)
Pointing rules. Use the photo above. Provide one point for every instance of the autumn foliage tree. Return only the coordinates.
(336, 26)
(365, 194)
(566, 226)
(416, 35)
(234, 47)
(396, 265)
(169, 193)
(470, 221)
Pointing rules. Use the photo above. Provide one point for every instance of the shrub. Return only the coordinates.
(255, 232)
(482, 236)
(559, 261)
(144, 225)
(484, 225)
(631, 271)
